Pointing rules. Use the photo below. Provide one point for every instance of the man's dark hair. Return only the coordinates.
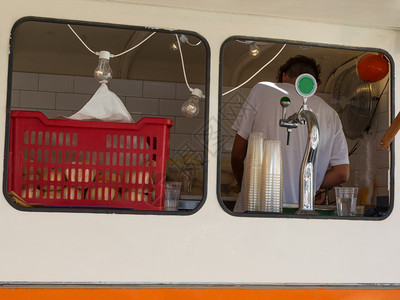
(298, 65)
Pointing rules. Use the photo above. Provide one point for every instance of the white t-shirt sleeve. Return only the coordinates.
(340, 152)
(244, 122)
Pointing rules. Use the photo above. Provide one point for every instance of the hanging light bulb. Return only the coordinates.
(103, 72)
(254, 49)
(190, 108)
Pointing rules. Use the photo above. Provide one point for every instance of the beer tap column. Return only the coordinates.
(306, 86)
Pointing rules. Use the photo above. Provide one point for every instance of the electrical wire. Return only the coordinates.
(183, 62)
(111, 55)
(95, 53)
(240, 85)
(193, 45)
(355, 145)
(376, 106)
(130, 49)
(244, 42)
(184, 39)
(122, 53)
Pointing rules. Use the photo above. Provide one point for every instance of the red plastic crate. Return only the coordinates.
(84, 163)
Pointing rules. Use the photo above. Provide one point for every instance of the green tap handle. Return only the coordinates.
(285, 102)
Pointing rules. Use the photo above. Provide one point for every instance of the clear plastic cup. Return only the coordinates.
(252, 173)
(346, 200)
(172, 195)
(272, 177)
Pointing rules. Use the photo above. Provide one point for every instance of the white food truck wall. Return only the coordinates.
(209, 246)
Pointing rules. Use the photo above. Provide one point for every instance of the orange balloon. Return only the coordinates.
(373, 67)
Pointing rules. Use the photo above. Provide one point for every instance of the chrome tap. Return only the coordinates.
(290, 122)
(307, 174)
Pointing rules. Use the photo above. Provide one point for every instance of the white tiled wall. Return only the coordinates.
(56, 95)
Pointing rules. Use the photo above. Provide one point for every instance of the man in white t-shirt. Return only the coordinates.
(262, 112)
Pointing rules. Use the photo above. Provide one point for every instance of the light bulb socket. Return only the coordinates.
(105, 55)
(198, 93)
(183, 38)
(254, 49)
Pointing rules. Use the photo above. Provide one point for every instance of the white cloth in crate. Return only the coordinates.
(105, 106)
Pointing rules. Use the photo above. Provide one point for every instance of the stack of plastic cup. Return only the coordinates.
(272, 178)
(252, 172)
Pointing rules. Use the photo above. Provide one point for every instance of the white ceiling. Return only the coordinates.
(374, 13)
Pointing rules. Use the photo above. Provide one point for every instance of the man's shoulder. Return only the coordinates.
(272, 88)
(270, 84)
(323, 109)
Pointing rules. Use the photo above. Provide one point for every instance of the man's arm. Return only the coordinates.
(335, 176)
(238, 155)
